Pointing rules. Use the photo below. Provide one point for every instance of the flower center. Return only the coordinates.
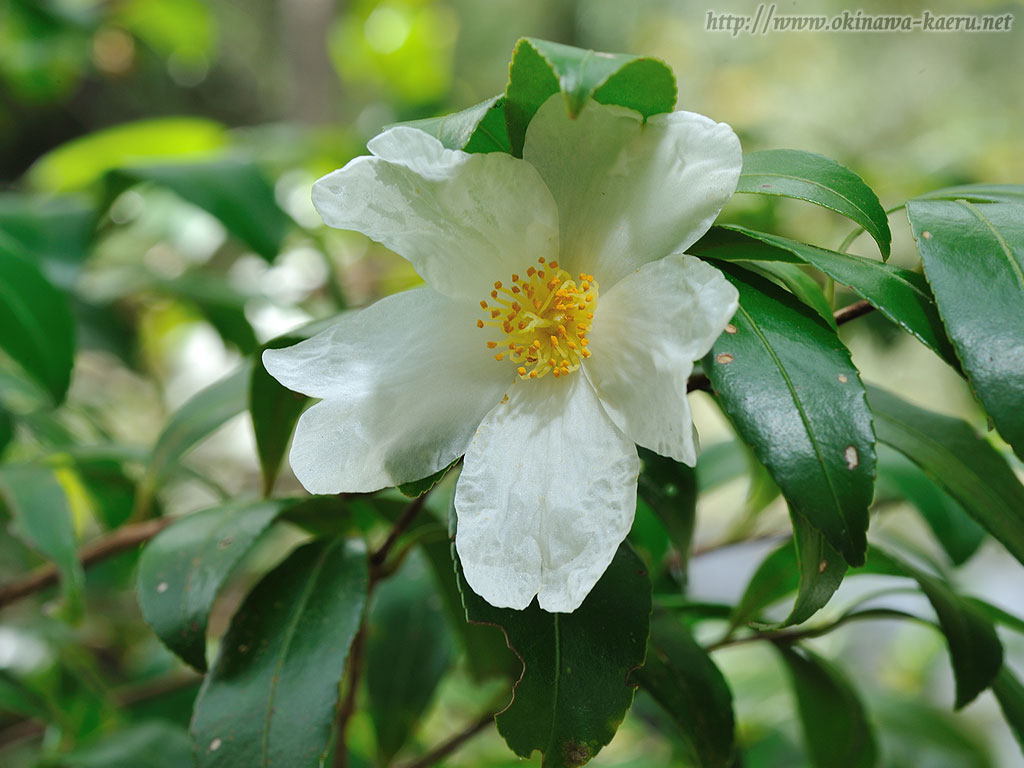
(543, 318)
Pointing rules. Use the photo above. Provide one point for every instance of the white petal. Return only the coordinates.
(647, 332)
(630, 192)
(547, 493)
(404, 382)
(464, 221)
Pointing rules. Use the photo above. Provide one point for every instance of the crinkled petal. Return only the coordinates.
(630, 192)
(647, 332)
(547, 493)
(463, 221)
(404, 382)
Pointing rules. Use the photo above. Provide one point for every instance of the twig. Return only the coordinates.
(348, 704)
(404, 521)
(446, 748)
(114, 543)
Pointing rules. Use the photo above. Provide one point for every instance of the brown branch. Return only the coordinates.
(404, 521)
(107, 546)
(446, 748)
(348, 705)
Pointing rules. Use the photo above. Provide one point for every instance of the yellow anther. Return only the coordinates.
(515, 278)
(589, 298)
(533, 374)
(561, 331)
(571, 345)
(479, 323)
(483, 304)
(553, 264)
(554, 341)
(494, 294)
(536, 344)
(531, 271)
(540, 260)
(521, 371)
(492, 344)
(497, 285)
(500, 356)
(495, 312)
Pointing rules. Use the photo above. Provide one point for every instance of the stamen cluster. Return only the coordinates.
(544, 317)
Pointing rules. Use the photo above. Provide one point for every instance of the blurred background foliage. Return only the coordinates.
(157, 157)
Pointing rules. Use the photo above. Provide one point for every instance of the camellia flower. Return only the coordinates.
(558, 327)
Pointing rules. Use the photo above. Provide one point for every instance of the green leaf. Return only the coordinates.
(789, 387)
(42, 519)
(683, 679)
(899, 294)
(275, 409)
(36, 328)
(836, 727)
(234, 191)
(83, 161)
(670, 488)
(480, 128)
(957, 460)
(156, 744)
(408, 651)
(978, 193)
(573, 692)
(197, 419)
(6, 429)
(417, 488)
(973, 257)
(1010, 695)
(540, 68)
(974, 648)
(55, 233)
(957, 533)
(806, 564)
(270, 697)
(182, 570)
(219, 302)
(819, 180)
(800, 284)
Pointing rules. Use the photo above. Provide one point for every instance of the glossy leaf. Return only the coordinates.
(974, 648)
(806, 564)
(790, 389)
(39, 505)
(973, 256)
(959, 461)
(274, 409)
(573, 692)
(978, 193)
(1010, 695)
(540, 68)
(899, 294)
(182, 570)
(408, 651)
(195, 420)
(800, 284)
(480, 128)
(234, 191)
(683, 679)
(269, 699)
(957, 533)
(670, 488)
(819, 180)
(836, 728)
(36, 328)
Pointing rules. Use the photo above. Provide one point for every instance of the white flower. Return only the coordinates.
(558, 327)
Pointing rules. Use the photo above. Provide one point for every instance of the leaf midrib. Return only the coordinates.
(286, 642)
(1014, 266)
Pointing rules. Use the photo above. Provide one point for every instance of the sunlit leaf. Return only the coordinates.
(480, 128)
(819, 180)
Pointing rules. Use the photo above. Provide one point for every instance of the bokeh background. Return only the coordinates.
(168, 298)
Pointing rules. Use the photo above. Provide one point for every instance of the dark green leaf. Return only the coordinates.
(417, 488)
(17, 696)
(36, 328)
(998, 615)
(156, 744)
(899, 294)
(670, 488)
(789, 387)
(220, 303)
(819, 180)
(973, 256)
(269, 699)
(836, 727)
(974, 648)
(959, 461)
(42, 519)
(573, 692)
(978, 193)
(480, 128)
(409, 648)
(195, 420)
(681, 677)
(806, 565)
(6, 429)
(955, 530)
(234, 191)
(540, 68)
(800, 284)
(1010, 695)
(182, 570)
(274, 409)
